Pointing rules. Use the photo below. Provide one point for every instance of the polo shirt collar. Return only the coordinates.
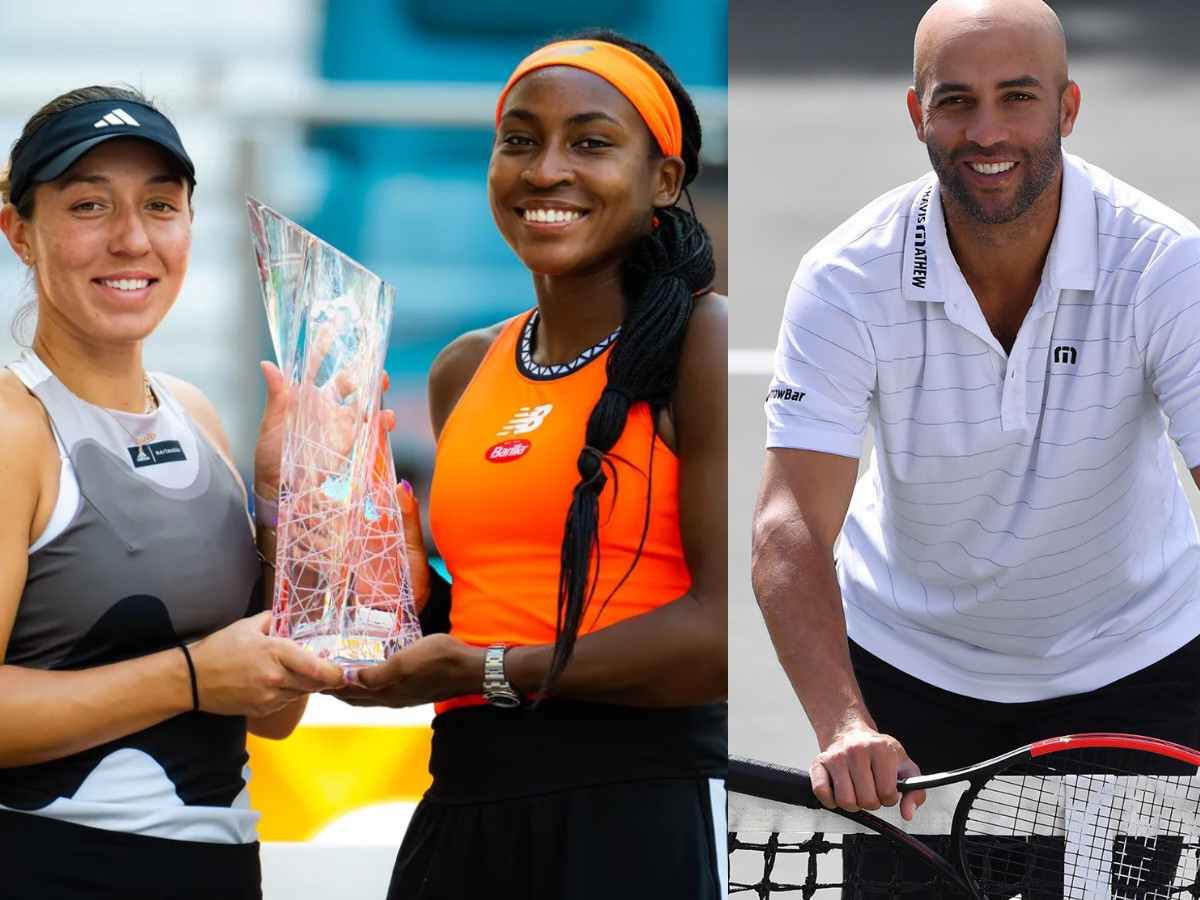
(926, 246)
(931, 273)
(1073, 261)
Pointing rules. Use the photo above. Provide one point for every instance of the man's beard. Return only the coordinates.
(1040, 165)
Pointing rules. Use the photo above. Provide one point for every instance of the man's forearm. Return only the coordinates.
(797, 590)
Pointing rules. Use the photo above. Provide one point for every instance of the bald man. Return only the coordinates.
(1019, 329)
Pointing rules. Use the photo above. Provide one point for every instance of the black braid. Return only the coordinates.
(665, 269)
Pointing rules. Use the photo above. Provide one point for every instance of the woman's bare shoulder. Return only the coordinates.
(28, 455)
(458, 360)
(700, 401)
(26, 424)
(706, 344)
(453, 369)
(710, 308)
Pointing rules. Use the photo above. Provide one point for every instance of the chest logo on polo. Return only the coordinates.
(525, 420)
(1064, 354)
(156, 454)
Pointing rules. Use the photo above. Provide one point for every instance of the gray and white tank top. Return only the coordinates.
(149, 544)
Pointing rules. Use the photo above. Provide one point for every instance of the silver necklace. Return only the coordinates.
(151, 404)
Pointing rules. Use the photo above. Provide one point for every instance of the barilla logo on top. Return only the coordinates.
(117, 117)
(507, 451)
(920, 270)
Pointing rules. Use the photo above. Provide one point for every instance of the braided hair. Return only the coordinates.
(663, 272)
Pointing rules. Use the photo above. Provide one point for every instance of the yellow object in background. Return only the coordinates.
(340, 760)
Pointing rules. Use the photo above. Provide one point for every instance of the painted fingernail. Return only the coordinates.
(407, 487)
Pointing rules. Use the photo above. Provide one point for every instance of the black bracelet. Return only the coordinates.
(191, 671)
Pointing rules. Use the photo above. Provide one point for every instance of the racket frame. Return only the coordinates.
(798, 790)
(795, 787)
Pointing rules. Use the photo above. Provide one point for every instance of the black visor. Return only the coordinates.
(60, 142)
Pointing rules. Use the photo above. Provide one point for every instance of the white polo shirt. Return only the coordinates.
(1021, 532)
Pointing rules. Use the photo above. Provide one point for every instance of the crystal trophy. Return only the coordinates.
(342, 585)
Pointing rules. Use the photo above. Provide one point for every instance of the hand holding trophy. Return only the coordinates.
(342, 585)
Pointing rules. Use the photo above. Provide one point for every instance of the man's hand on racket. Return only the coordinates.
(859, 769)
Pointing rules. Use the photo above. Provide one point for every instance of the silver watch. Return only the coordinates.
(496, 689)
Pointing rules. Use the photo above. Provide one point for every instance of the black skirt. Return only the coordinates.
(43, 858)
(569, 800)
(942, 730)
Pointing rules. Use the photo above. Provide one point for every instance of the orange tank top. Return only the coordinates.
(504, 470)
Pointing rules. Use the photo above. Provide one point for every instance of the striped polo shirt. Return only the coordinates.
(1021, 532)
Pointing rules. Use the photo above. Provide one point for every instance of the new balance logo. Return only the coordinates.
(525, 420)
(117, 117)
(1064, 355)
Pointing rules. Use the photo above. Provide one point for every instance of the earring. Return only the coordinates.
(28, 260)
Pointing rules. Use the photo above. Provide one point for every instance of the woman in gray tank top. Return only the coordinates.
(133, 646)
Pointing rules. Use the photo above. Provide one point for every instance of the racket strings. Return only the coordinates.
(1079, 825)
(1087, 825)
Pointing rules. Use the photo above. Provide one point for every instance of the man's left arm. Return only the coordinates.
(1167, 327)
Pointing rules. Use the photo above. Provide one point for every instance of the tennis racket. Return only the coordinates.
(1081, 817)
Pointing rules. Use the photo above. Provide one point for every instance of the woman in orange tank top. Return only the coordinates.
(579, 500)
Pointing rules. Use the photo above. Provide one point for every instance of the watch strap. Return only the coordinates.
(496, 688)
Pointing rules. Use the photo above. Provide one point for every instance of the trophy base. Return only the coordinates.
(348, 652)
(367, 639)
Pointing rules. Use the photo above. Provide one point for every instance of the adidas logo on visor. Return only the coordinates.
(117, 117)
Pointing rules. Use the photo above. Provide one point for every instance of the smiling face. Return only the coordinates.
(575, 174)
(992, 108)
(110, 242)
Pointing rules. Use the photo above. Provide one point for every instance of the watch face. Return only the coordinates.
(506, 700)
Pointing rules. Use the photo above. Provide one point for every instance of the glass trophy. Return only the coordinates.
(342, 585)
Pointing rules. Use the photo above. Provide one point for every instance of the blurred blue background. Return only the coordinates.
(367, 121)
(411, 202)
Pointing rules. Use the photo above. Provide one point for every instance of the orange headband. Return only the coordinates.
(627, 72)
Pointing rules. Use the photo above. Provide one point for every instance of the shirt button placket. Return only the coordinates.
(1012, 404)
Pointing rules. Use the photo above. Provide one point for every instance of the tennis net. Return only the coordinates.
(780, 850)
(1047, 833)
